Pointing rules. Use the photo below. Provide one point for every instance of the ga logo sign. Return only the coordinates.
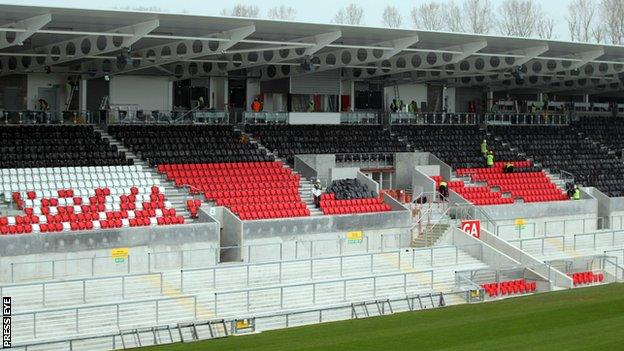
(472, 227)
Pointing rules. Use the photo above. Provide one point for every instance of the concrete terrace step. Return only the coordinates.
(204, 284)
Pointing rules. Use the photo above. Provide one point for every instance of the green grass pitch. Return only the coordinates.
(580, 319)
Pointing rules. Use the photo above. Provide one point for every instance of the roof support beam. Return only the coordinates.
(170, 53)
(346, 57)
(585, 57)
(28, 26)
(78, 48)
(277, 55)
(419, 61)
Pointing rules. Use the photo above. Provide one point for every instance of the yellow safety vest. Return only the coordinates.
(490, 160)
(577, 194)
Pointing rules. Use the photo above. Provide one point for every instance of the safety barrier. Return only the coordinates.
(82, 284)
(542, 241)
(315, 287)
(75, 314)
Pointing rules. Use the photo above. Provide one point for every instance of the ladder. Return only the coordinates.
(104, 103)
(70, 96)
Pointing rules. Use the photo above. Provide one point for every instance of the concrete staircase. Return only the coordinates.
(430, 235)
(176, 196)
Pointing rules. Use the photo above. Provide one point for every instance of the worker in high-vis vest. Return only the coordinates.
(443, 189)
(509, 168)
(490, 159)
(577, 193)
(484, 147)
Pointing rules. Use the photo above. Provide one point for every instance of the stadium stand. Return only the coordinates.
(252, 190)
(459, 146)
(524, 183)
(56, 146)
(563, 149)
(511, 287)
(187, 144)
(585, 278)
(347, 196)
(289, 140)
(83, 198)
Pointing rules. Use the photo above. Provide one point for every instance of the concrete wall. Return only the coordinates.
(290, 230)
(336, 173)
(218, 92)
(365, 180)
(314, 118)
(445, 170)
(321, 163)
(17, 249)
(149, 93)
(421, 181)
(545, 217)
(41, 80)
(556, 277)
(404, 165)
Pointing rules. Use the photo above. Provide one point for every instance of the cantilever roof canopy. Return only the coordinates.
(89, 42)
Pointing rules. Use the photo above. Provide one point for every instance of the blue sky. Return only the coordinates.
(320, 11)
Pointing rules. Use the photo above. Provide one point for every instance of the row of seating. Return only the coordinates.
(28, 146)
(251, 197)
(290, 140)
(510, 287)
(575, 149)
(101, 211)
(188, 144)
(584, 278)
(458, 146)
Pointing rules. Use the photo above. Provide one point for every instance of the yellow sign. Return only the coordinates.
(520, 223)
(242, 324)
(121, 252)
(354, 237)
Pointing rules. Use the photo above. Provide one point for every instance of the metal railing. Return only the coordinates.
(524, 119)
(315, 287)
(433, 118)
(613, 235)
(519, 230)
(542, 241)
(82, 284)
(280, 265)
(265, 117)
(262, 322)
(361, 117)
(75, 312)
(49, 117)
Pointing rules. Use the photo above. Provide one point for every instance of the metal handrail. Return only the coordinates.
(83, 282)
(593, 235)
(314, 285)
(542, 239)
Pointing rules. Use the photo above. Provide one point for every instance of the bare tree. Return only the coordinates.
(599, 33)
(519, 18)
(455, 18)
(430, 16)
(478, 15)
(612, 16)
(352, 14)
(391, 17)
(282, 12)
(581, 19)
(545, 27)
(141, 8)
(241, 10)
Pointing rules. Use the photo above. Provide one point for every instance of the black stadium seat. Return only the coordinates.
(56, 146)
(170, 144)
(358, 142)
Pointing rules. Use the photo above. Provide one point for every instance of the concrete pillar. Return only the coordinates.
(82, 104)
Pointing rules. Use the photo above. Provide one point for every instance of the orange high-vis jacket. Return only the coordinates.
(255, 106)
